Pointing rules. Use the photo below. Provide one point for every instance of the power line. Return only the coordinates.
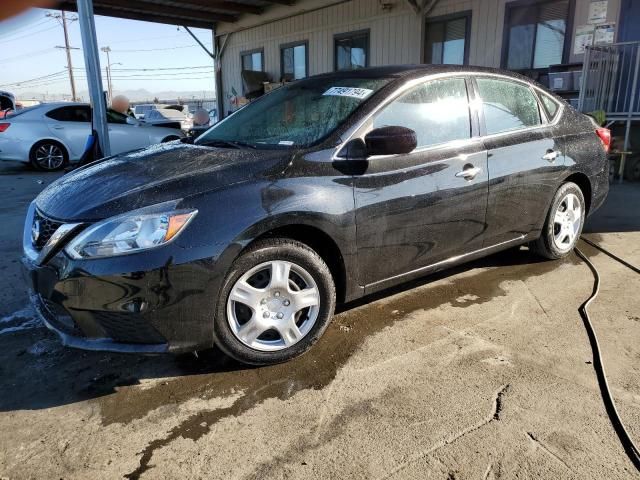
(35, 79)
(21, 30)
(155, 49)
(29, 35)
(26, 56)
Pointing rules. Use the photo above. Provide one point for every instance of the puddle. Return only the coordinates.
(25, 319)
(217, 376)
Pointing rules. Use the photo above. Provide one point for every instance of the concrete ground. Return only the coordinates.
(483, 372)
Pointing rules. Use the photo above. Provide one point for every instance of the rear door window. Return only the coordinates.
(71, 114)
(438, 111)
(507, 105)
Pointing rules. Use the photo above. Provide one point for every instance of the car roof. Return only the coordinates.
(415, 71)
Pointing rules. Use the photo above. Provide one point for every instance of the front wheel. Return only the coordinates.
(276, 302)
(563, 225)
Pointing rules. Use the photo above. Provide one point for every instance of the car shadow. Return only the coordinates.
(619, 213)
(36, 372)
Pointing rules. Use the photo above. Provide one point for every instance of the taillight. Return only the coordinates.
(605, 138)
(4, 126)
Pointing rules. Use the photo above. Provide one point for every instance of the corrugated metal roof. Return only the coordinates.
(191, 13)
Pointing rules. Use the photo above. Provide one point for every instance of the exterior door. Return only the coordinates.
(72, 125)
(124, 137)
(417, 209)
(525, 158)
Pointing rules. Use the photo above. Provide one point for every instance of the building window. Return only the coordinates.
(293, 61)
(253, 60)
(447, 39)
(351, 50)
(535, 34)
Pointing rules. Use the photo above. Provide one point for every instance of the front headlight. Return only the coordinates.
(129, 233)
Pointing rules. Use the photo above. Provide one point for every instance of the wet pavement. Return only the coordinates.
(483, 371)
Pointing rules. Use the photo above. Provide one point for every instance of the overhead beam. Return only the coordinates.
(281, 2)
(140, 10)
(222, 5)
(143, 6)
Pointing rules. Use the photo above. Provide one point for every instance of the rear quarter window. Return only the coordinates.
(70, 114)
(551, 106)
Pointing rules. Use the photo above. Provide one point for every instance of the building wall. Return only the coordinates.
(396, 35)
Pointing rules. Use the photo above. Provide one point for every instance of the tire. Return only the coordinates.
(170, 139)
(563, 224)
(48, 156)
(264, 334)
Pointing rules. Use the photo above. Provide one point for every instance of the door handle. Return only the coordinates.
(551, 156)
(58, 127)
(469, 173)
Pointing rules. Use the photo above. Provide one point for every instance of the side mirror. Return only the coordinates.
(132, 121)
(390, 141)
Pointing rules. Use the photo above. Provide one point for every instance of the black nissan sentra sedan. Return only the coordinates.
(322, 191)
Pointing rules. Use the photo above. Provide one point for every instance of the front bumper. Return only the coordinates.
(154, 302)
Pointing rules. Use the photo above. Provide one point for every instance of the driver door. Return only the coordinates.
(417, 209)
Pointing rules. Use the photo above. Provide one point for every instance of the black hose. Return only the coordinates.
(615, 257)
(625, 438)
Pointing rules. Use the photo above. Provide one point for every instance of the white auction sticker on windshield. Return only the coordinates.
(353, 92)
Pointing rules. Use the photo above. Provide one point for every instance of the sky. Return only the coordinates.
(31, 63)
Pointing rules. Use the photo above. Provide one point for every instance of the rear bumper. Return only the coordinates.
(13, 149)
(600, 189)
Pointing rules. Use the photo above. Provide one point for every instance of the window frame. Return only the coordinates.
(466, 14)
(550, 118)
(366, 124)
(244, 53)
(68, 107)
(568, 37)
(298, 43)
(355, 33)
(544, 120)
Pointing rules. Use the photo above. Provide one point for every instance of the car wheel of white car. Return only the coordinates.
(48, 155)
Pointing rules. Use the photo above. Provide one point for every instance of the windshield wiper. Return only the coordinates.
(228, 143)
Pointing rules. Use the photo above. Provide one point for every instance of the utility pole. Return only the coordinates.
(63, 19)
(107, 50)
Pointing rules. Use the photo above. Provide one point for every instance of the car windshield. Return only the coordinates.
(296, 115)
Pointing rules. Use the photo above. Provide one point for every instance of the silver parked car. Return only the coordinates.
(53, 134)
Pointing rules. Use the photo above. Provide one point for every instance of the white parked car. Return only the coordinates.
(169, 117)
(53, 134)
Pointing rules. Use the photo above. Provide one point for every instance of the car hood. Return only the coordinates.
(156, 174)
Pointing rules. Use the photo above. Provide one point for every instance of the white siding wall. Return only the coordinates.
(395, 35)
(395, 38)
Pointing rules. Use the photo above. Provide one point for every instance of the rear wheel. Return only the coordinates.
(170, 139)
(276, 302)
(564, 223)
(48, 155)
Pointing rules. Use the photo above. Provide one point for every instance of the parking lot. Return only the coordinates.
(480, 372)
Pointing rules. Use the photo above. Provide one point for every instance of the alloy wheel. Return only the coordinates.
(567, 221)
(273, 306)
(49, 156)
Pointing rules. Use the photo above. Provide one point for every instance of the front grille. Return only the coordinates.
(128, 328)
(45, 227)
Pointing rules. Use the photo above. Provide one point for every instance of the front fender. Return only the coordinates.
(230, 219)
